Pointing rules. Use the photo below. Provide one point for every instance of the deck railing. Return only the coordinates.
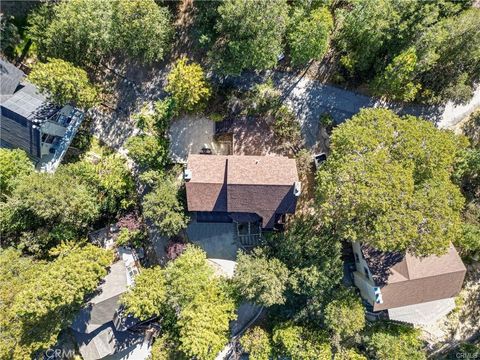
(249, 241)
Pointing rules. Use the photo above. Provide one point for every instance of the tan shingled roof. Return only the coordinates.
(261, 170)
(407, 279)
(249, 184)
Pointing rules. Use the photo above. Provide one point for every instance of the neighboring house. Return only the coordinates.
(410, 289)
(256, 192)
(29, 122)
(100, 330)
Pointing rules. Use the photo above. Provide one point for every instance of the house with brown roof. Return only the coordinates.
(255, 192)
(406, 287)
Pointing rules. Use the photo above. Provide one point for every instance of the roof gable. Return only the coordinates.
(406, 279)
(246, 184)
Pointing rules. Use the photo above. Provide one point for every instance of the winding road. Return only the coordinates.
(309, 99)
(306, 97)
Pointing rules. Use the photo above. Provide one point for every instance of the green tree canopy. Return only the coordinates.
(387, 183)
(187, 276)
(141, 29)
(77, 31)
(188, 86)
(162, 205)
(64, 83)
(197, 311)
(86, 31)
(47, 298)
(449, 56)
(148, 296)
(108, 176)
(348, 354)
(309, 36)
(44, 209)
(313, 257)
(396, 82)
(148, 151)
(13, 165)
(204, 323)
(256, 343)
(345, 316)
(396, 342)
(378, 40)
(251, 34)
(260, 279)
(296, 342)
(365, 33)
(467, 175)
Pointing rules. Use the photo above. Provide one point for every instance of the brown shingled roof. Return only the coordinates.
(246, 184)
(406, 279)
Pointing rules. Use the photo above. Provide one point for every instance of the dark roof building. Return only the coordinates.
(401, 283)
(100, 329)
(265, 187)
(11, 77)
(31, 123)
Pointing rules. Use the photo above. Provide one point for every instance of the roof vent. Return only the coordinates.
(187, 174)
(297, 188)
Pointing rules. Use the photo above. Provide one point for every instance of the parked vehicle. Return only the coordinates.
(319, 159)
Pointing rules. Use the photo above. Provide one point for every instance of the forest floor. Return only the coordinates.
(463, 324)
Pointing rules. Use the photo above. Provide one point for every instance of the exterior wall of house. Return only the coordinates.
(424, 313)
(362, 277)
(57, 134)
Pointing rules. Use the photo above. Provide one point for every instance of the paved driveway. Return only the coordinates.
(216, 239)
(189, 134)
(309, 99)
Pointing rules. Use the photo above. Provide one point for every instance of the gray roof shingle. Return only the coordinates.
(10, 77)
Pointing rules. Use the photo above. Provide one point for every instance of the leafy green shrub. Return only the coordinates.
(256, 343)
(110, 178)
(296, 342)
(157, 120)
(130, 238)
(469, 243)
(64, 83)
(188, 86)
(148, 151)
(309, 36)
(345, 316)
(263, 99)
(162, 205)
(348, 354)
(260, 279)
(13, 165)
(286, 126)
(396, 81)
(399, 342)
(216, 117)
